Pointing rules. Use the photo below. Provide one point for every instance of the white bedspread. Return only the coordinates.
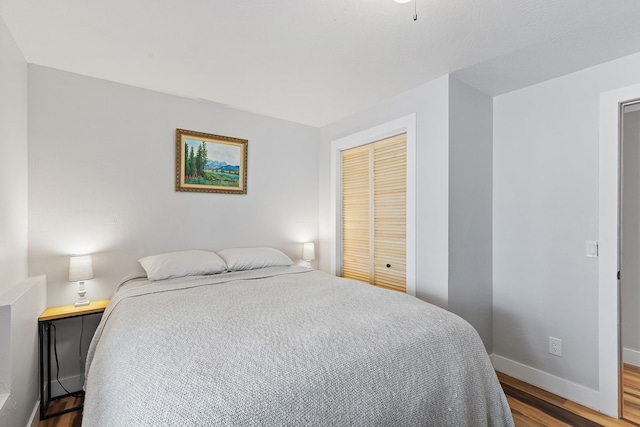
(285, 346)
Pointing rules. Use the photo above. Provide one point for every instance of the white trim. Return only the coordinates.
(556, 385)
(34, 420)
(632, 107)
(632, 357)
(608, 259)
(73, 383)
(395, 127)
(3, 399)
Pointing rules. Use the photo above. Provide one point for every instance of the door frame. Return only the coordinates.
(609, 354)
(406, 124)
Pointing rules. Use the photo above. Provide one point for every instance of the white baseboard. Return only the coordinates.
(569, 390)
(632, 357)
(73, 384)
(3, 398)
(35, 416)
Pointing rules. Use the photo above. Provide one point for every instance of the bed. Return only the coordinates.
(284, 346)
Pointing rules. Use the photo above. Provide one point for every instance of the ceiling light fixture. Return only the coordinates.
(415, 7)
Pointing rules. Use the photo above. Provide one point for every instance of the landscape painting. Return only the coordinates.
(210, 163)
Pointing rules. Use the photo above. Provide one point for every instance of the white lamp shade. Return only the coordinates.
(309, 251)
(80, 268)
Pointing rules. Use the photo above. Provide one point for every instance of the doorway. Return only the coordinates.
(609, 176)
(629, 241)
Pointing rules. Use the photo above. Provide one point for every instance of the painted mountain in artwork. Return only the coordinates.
(216, 165)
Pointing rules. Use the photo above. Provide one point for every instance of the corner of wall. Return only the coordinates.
(470, 196)
(14, 160)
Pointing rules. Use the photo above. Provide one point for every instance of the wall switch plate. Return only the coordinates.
(555, 346)
(592, 249)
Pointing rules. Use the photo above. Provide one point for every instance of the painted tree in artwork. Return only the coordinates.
(192, 161)
(201, 159)
(199, 165)
(204, 154)
(195, 160)
(187, 165)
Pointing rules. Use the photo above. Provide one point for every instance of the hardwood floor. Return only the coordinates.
(631, 393)
(70, 419)
(530, 406)
(534, 407)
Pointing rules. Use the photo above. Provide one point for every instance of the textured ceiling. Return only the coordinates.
(315, 62)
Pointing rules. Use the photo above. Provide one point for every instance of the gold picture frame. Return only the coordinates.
(207, 163)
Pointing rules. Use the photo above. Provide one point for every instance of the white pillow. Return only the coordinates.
(238, 259)
(180, 264)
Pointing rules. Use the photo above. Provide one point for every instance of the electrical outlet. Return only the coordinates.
(555, 346)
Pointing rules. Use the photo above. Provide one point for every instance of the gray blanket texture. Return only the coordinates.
(285, 346)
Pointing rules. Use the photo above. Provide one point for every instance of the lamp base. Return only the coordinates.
(82, 302)
(82, 296)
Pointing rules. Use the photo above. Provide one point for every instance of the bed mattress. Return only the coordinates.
(285, 346)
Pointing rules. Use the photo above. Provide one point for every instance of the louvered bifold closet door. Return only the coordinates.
(356, 213)
(389, 212)
(374, 179)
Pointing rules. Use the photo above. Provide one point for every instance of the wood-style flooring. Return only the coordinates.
(70, 419)
(534, 407)
(631, 393)
(530, 406)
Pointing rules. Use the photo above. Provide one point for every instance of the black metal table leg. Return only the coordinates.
(43, 406)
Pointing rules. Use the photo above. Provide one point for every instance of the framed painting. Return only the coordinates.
(208, 163)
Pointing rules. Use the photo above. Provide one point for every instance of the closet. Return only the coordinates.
(373, 229)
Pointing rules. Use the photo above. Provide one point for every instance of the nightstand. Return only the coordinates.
(45, 322)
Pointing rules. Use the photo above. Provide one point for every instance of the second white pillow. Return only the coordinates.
(183, 263)
(239, 259)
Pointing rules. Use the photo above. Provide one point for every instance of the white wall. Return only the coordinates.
(102, 171)
(13, 162)
(545, 207)
(470, 202)
(19, 311)
(630, 240)
(453, 201)
(18, 391)
(430, 103)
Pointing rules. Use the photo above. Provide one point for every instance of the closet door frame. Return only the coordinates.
(406, 124)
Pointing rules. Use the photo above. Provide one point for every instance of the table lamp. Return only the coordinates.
(81, 269)
(308, 253)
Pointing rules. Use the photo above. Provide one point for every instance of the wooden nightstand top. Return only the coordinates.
(63, 311)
